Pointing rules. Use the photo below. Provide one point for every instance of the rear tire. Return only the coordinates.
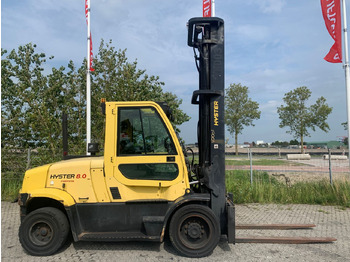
(44, 231)
(194, 231)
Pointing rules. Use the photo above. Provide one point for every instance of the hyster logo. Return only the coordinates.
(216, 113)
(62, 176)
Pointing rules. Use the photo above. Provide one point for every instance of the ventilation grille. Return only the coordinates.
(115, 193)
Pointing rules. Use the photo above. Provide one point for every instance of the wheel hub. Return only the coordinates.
(41, 234)
(43, 231)
(194, 230)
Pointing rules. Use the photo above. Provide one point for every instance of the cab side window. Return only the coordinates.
(142, 131)
(130, 132)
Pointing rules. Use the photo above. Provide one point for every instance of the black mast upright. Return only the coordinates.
(206, 36)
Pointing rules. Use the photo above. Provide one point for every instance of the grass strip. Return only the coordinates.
(266, 189)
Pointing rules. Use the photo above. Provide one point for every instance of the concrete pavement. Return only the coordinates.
(331, 222)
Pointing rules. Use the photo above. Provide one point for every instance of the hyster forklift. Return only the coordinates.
(145, 186)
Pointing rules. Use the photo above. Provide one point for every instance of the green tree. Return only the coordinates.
(240, 110)
(294, 142)
(117, 79)
(33, 102)
(22, 84)
(345, 125)
(299, 118)
(346, 139)
(75, 107)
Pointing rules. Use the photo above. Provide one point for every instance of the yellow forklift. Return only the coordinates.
(145, 185)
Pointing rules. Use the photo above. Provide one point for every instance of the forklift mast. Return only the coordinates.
(206, 36)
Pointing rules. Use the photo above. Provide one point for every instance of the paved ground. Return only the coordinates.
(330, 221)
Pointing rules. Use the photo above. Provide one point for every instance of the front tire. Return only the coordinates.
(44, 231)
(194, 231)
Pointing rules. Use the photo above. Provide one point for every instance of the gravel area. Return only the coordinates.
(330, 222)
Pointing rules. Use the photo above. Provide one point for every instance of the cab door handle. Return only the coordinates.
(170, 159)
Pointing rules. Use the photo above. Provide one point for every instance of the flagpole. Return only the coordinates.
(346, 68)
(88, 84)
(213, 8)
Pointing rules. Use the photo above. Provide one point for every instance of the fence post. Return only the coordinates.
(28, 158)
(251, 166)
(330, 166)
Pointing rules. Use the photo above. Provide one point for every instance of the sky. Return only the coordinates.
(271, 46)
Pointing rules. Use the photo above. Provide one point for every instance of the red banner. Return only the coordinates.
(91, 54)
(86, 16)
(206, 8)
(332, 18)
(86, 10)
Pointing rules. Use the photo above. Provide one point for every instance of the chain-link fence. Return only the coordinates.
(293, 168)
(331, 166)
(14, 163)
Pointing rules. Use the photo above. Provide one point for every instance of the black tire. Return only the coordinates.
(194, 231)
(44, 231)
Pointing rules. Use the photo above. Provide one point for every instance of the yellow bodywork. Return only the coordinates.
(90, 179)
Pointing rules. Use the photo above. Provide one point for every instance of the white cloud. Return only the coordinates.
(253, 32)
(271, 6)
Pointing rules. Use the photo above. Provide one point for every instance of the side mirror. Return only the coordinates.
(93, 148)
